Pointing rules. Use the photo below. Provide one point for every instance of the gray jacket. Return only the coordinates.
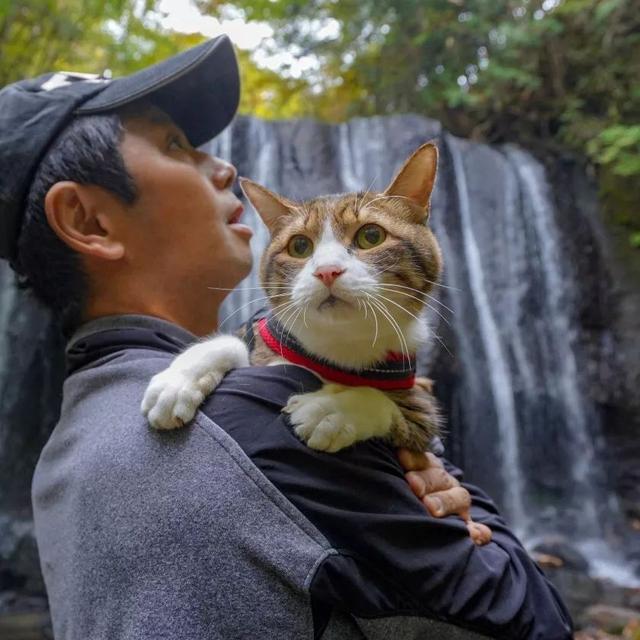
(147, 535)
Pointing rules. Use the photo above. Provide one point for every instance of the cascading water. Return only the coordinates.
(524, 428)
(507, 362)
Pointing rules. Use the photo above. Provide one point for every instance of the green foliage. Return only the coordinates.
(549, 75)
(37, 36)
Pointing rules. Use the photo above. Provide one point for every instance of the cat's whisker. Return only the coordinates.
(266, 286)
(423, 302)
(365, 194)
(287, 308)
(404, 347)
(381, 271)
(244, 306)
(439, 339)
(439, 284)
(422, 293)
(293, 316)
(384, 196)
(278, 309)
(375, 318)
(379, 295)
(436, 336)
(396, 324)
(304, 315)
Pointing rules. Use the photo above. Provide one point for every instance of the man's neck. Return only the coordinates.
(194, 320)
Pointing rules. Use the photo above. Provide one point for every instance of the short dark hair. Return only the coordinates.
(86, 152)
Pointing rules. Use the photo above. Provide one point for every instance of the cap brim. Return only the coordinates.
(199, 89)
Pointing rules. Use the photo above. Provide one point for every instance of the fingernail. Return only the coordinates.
(435, 505)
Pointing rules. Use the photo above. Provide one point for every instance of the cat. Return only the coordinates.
(347, 277)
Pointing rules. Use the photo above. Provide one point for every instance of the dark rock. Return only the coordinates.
(611, 619)
(25, 626)
(560, 547)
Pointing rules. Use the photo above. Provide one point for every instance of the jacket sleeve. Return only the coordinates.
(393, 559)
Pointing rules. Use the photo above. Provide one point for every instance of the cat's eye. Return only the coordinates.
(300, 247)
(369, 236)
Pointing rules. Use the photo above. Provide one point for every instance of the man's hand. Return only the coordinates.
(440, 493)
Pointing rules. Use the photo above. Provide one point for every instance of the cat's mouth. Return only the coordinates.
(331, 301)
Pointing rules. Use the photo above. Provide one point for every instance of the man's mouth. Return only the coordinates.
(234, 222)
(236, 215)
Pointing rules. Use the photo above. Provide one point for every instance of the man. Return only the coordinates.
(230, 528)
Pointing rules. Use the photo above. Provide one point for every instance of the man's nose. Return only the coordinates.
(224, 174)
(221, 173)
(328, 275)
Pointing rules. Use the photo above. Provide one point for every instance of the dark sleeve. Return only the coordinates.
(393, 558)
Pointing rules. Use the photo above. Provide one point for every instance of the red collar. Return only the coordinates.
(393, 373)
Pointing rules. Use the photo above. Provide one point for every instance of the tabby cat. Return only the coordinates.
(347, 277)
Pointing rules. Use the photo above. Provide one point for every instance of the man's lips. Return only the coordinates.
(236, 215)
(234, 222)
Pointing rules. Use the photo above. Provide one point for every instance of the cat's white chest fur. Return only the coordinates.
(330, 419)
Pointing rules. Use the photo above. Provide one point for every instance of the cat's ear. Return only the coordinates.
(416, 178)
(270, 206)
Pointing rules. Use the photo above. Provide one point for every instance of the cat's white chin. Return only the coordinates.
(333, 303)
(344, 336)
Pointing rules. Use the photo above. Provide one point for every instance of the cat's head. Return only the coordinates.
(356, 265)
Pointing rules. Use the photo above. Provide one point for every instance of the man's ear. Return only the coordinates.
(270, 206)
(417, 176)
(73, 213)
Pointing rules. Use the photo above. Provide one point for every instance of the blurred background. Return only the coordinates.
(535, 106)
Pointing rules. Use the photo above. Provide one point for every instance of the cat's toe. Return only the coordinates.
(332, 434)
(307, 410)
(171, 401)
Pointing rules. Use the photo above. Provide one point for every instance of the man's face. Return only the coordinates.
(183, 227)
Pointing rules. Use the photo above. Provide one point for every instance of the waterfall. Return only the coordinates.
(499, 379)
(525, 428)
(509, 364)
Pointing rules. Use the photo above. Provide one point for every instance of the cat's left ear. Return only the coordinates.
(416, 178)
(270, 206)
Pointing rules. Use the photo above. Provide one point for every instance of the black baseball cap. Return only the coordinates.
(198, 88)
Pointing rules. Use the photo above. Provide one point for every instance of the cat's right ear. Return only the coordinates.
(270, 206)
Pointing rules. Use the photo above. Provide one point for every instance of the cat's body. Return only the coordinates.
(347, 277)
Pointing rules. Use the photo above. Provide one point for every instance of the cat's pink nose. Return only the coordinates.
(328, 275)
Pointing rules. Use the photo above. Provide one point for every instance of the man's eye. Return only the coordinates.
(176, 143)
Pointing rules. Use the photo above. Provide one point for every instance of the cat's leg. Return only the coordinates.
(421, 415)
(174, 395)
(422, 422)
(337, 416)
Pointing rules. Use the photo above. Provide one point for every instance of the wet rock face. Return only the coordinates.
(539, 368)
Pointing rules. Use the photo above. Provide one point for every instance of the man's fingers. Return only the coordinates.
(430, 481)
(455, 501)
(413, 461)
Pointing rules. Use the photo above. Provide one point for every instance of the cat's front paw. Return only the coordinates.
(173, 397)
(317, 422)
(336, 417)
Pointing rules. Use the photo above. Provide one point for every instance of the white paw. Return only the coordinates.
(173, 397)
(336, 417)
(317, 422)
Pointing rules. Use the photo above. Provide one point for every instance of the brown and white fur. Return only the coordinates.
(344, 303)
